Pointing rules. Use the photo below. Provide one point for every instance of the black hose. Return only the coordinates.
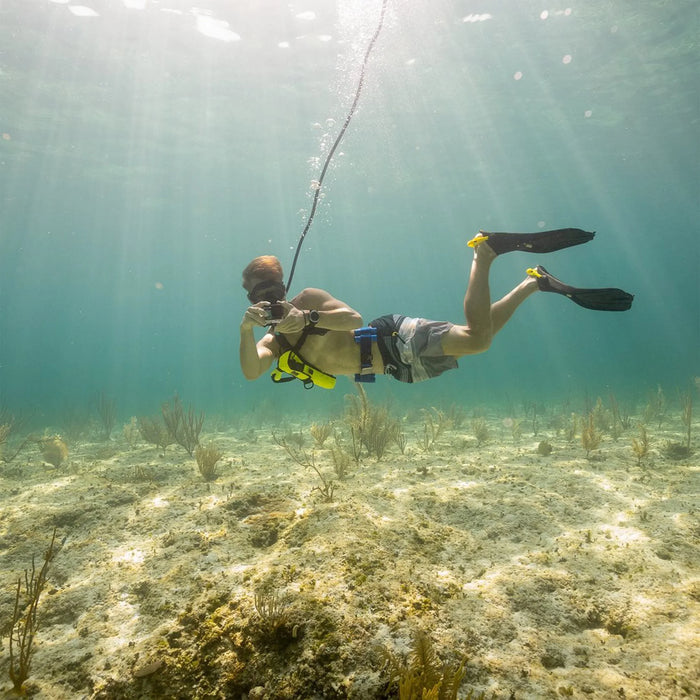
(335, 145)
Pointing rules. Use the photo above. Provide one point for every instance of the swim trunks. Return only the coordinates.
(411, 348)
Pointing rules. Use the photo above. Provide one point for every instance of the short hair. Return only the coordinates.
(265, 267)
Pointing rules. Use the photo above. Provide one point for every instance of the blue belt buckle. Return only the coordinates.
(365, 378)
(364, 336)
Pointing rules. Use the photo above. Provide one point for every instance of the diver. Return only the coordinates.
(316, 337)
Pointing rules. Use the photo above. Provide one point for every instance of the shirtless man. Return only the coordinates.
(325, 335)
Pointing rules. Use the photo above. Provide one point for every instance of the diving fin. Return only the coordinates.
(539, 242)
(605, 299)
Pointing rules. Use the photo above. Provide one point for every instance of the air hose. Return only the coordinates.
(338, 139)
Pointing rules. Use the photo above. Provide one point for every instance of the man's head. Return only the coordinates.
(263, 280)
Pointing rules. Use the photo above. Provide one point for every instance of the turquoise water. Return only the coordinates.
(150, 150)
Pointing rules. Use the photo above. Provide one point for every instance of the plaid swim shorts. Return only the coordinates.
(411, 348)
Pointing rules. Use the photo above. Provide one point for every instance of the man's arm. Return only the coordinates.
(334, 315)
(256, 358)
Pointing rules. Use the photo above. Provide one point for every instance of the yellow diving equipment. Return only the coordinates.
(480, 238)
(291, 363)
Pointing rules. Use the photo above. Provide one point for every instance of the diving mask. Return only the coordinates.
(267, 290)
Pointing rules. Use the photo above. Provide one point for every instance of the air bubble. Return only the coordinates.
(82, 11)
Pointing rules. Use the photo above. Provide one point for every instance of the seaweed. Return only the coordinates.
(382, 433)
(570, 428)
(590, 437)
(154, 432)
(621, 418)
(434, 424)
(269, 606)
(423, 676)
(400, 438)
(687, 416)
(130, 431)
(327, 487)
(544, 448)
(480, 430)
(294, 449)
(656, 407)
(207, 457)
(532, 410)
(53, 449)
(601, 416)
(307, 460)
(106, 409)
(341, 460)
(5, 430)
(456, 416)
(8, 426)
(370, 426)
(320, 432)
(681, 450)
(641, 447)
(516, 428)
(184, 427)
(25, 621)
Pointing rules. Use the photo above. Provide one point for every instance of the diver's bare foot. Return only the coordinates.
(482, 250)
(530, 283)
(484, 253)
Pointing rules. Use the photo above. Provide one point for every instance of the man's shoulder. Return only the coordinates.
(310, 297)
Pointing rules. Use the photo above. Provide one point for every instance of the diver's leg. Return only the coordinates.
(503, 309)
(477, 299)
(484, 319)
(476, 335)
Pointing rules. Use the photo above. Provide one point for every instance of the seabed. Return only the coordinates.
(539, 568)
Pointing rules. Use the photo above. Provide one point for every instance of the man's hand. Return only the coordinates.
(293, 320)
(256, 315)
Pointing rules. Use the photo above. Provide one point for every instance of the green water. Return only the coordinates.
(150, 150)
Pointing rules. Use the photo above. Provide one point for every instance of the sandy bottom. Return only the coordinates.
(547, 576)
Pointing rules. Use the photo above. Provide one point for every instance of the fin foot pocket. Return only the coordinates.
(537, 242)
(602, 299)
(477, 240)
